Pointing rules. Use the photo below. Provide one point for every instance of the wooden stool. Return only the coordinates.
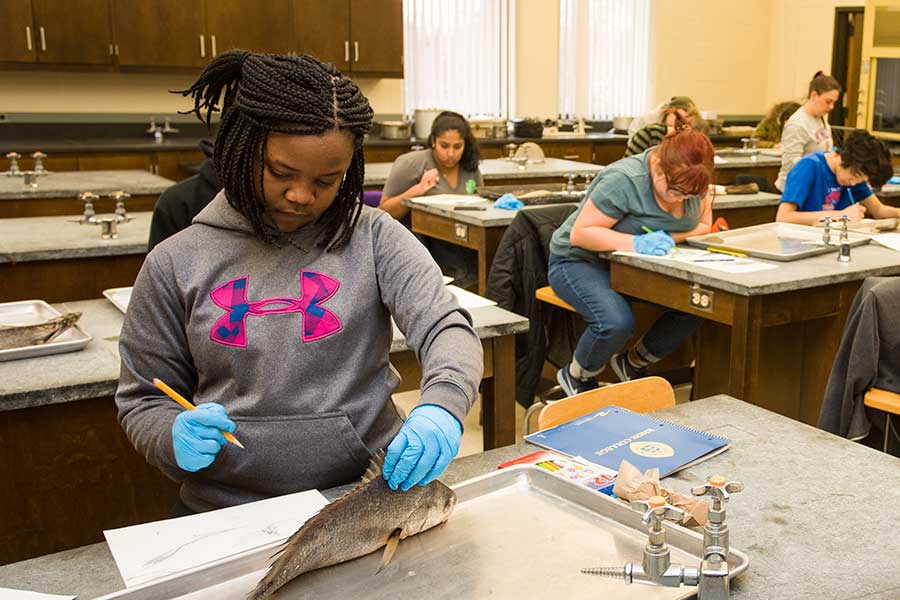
(887, 402)
(546, 294)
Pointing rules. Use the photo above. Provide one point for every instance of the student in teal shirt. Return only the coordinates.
(831, 184)
(664, 189)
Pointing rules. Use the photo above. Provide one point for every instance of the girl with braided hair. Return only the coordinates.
(272, 311)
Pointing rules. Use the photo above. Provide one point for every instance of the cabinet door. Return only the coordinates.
(250, 25)
(161, 33)
(376, 32)
(322, 29)
(579, 152)
(73, 32)
(16, 31)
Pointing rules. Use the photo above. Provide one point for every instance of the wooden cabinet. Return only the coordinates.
(115, 161)
(160, 33)
(178, 165)
(577, 151)
(362, 37)
(16, 31)
(608, 153)
(73, 32)
(250, 25)
(376, 37)
(323, 30)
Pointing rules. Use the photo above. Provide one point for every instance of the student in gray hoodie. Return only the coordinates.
(272, 311)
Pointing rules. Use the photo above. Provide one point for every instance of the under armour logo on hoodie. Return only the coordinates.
(317, 322)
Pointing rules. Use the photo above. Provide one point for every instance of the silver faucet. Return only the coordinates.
(826, 235)
(656, 568)
(13, 158)
(120, 197)
(89, 215)
(570, 185)
(711, 578)
(844, 253)
(38, 163)
(167, 127)
(510, 150)
(156, 130)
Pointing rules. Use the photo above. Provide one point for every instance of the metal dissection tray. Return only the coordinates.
(534, 193)
(32, 312)
(119, 297)
(516, 533)
(776, 241)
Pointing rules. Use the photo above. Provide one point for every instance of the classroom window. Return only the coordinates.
(604, 57)
(456, 55)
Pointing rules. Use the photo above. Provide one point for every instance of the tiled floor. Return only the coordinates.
(472, 435)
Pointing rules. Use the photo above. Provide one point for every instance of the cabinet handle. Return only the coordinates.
(202, 46)
(212, 39)
(355, 51)
(571, 156)
(28, 38)
(43, 39)
(111, 51)
(346, 51)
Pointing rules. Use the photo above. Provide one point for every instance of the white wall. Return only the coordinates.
(731, 56)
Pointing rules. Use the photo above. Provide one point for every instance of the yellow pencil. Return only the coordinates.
(184, 403)
(730, 252)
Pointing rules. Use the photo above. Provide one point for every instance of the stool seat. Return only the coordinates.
(883, 400)
(546, 294)
(887, 402)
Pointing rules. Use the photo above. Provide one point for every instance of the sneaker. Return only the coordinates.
(623, 369)
(571, 385)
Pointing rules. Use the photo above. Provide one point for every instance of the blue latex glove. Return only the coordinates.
(657, 243)
(508, 202)
(422, 449)
(197, 435)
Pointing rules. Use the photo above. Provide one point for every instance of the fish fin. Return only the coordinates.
(389, 549)
(376, 463)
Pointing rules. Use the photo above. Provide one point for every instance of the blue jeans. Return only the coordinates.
(610, 322)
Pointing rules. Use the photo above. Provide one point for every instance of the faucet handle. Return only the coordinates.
(656, 510)
(120, 198)
(745, 142)
(153, 126)
(88, 199)
(119, 195)
(38, 162)
(719, 488)
(13, 158)
(88, 196)
(167, 127)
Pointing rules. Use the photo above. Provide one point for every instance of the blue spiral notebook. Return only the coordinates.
(611, 434)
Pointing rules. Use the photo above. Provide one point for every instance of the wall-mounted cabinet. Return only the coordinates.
(56, 32)
(363, 37)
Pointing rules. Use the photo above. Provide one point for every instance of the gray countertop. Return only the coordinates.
(498, 168)
(814, 517)
(870, 260)
(497, 217)
(746, 162)
(42, 238)
(68, 184)
(94, 371)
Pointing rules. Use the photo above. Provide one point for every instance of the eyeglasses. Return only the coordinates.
(674, 191)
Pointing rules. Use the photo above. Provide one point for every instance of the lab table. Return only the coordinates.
(811, 517)
(731, 164)
(56, 259)
(499, 171)
(769, 337)
(56, 193)
(75, 473)
(482, 230)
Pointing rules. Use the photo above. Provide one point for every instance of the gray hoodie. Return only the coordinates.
(295, 346)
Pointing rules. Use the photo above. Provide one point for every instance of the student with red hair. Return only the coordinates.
(662, 190)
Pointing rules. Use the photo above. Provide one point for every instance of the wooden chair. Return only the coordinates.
(888, 402)
(640, 395)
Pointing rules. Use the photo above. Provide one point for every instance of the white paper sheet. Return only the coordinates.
(718, 160)
(449, 200)
(709, 260)
(469, 300)
(8, 594)
(153, 550)
(447, 279)
(889, 240)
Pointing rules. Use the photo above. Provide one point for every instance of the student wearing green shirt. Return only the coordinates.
(664, 189)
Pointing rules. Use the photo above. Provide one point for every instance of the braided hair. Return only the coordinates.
(295, 95)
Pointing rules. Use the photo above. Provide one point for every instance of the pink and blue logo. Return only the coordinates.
(317, 322)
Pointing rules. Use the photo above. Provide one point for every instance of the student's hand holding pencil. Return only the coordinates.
(199, 432)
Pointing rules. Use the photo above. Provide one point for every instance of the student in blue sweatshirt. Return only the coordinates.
(831, 184)
(272, 311)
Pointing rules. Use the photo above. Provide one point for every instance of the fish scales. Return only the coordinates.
(358, 523)
(20, 336)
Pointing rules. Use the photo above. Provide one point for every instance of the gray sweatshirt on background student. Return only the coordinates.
(802, 134)
(294, 343)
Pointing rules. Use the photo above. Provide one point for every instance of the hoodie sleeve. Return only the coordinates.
(428, 314)
(152, 345)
